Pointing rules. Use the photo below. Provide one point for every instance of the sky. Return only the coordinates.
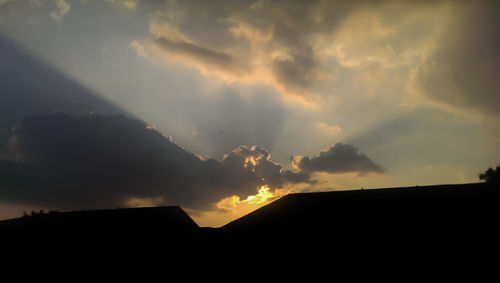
(223, 106)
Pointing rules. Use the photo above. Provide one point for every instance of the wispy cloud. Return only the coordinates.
(62, 9)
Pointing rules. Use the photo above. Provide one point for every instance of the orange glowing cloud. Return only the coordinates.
(328, 129)
(306, 48)
(263, 196)
(244, 45)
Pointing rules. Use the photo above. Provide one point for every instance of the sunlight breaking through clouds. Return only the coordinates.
(264, 195)
(359, 93)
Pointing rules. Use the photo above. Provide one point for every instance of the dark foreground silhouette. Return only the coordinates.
(443, 216)
(366, 213)
(100, 224)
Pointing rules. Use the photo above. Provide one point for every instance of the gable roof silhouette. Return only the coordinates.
(395, 211)
(122, 223)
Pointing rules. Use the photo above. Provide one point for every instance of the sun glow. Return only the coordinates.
(264, 194)
(261, 197)
(253, 160)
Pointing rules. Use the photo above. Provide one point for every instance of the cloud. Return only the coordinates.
(249, 117)
(139, 48)
(298, 46)
(327, 129)
(461, 70)
(428, 136)
(341, 158)
(109, 161)
(198, 54)
(258, 161)
(298, 73)
(229, 204)
(30, 86)
(268, 42)
(129, 4)
(62, 9)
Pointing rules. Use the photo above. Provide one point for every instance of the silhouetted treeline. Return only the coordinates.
(491, 175)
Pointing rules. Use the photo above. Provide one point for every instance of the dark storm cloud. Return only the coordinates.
(28, 87)
(258, 161)
(101, 161)
(341, 158)
(464, 68)
(299, 177)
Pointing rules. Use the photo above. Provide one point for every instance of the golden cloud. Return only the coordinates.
(306, 49)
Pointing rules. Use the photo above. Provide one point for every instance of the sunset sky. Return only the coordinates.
(227, 105)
